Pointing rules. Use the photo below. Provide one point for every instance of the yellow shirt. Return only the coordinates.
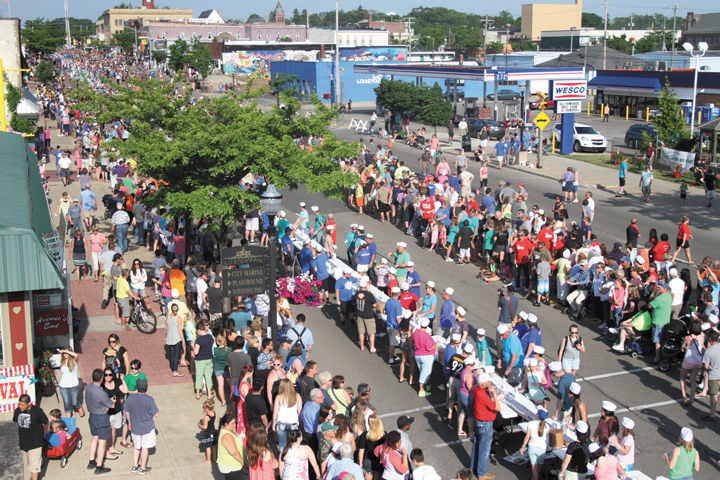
(226, 462)
(122, 288)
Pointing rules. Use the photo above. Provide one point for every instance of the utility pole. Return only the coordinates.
(672, 55)
(337, 52)
(68, 38)
(605, 37)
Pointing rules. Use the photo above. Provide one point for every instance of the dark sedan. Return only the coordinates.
(634, 134)
(495, 129)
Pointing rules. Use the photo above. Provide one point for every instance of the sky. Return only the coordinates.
(30, 9)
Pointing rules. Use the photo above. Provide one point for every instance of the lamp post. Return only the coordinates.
(702, 48)
(270, 201)
(337, 52)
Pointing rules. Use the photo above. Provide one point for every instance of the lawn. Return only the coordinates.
(603, 160)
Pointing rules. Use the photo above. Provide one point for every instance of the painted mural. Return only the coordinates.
(256, 63)
(373, 54)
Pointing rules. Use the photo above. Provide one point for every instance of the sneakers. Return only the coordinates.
(449, 260)
(101, 469)
(143, 471)
(135, 469)
(613, 330)
(423, 393)
(619, 348)
(91, 464)
(391, 361)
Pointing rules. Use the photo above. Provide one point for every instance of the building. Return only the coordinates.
(539, 17)
(400, 31)
(595, 57)
(163, 34)
(502, 34)
(114, 20)
(579, 37)
(10, 50)
(208, 16)
(703, 28)
(710, 62)
(350, 36)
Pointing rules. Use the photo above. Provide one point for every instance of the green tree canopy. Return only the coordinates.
(45, 72)
(428, 103)
(45, 36)
(124, 39)
(203, 151)
(433, 109)
(194, 55)
(670, 123)
(592, 20)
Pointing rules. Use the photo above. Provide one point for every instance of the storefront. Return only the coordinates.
(33, 295)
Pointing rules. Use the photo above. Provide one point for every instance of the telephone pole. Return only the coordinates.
(605, 37)
(672, 55)
(68, 38)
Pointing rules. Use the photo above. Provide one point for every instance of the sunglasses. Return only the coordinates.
(112, 342)
(108, 374)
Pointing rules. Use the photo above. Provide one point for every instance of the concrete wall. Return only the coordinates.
(10, 49)
(537, 17)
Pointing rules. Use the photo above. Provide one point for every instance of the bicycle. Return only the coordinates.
(143, 318)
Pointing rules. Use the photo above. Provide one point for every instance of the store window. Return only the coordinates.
(2, 342)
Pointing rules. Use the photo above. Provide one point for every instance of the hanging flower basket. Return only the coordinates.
(300, 290)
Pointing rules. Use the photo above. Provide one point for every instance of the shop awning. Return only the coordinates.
(28, 106)
(29, 247)
(629, 82)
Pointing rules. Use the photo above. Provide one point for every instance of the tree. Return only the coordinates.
(396, 95)
(45, 36)
(199, 58)
(125, 39)
(433, 110)
(254, 18)
(592, 20)
(670, 123)
(620, 44)
(178, 54)
(45, 72)
(159, 56)
(203, 151)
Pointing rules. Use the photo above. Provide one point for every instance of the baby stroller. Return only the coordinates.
(110, 203)
(673, 337)
(64, 451)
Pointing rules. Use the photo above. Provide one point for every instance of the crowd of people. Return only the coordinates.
(285, 414)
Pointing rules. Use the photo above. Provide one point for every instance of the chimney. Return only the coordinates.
(369, 20)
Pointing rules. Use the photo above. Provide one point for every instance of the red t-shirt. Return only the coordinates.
(473, 205)
(334, 232)
(683, 229)
(428, 209)
(523, 249)
(483, 406)
(546, 235)
(660, 250)
(409, 301)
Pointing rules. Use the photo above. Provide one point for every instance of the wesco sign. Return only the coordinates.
(569, 89)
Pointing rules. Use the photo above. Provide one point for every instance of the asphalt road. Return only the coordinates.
(641, 392)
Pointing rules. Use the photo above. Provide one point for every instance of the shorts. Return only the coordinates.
(139, 291)
(88, 214)
(366, 326)
(464, 252)
(116, 420)
(536, 454)
(499, 158)
(622, 182)
(347, 308)
(100, 426)
(679, 243)
(33, 460)
(713, 387)
(124, 306)
(567, 187)
(646, 190)
(383, 207)
(571, 364)
(325, 284)
(710, 194)
(543, 287)
(64, 173)
(393, 336)
(657, 333)
(148, 440)
(575, 187)
(252, 224)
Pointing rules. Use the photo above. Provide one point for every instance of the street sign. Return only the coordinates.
(541, 120)
(245, 270)
(569, 106)
(568, 90)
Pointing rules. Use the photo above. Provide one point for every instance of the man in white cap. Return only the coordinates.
(562, 270)
(320, 270)
(318, 229)
(393, 314)
(281, 224)
(677, 289)
(607, 425)
(372, 248)
(306, 256)
(453, 369)
(401, 258)
(565, 379)
(344, 296)
(350, 239)
(413, 279)
(408, 300)
(533, 337)
(485, 407)
(303, 221)
(513, 355)
(365, 308)
(447, 312)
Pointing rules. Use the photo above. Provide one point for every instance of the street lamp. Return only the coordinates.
(270, 201)
(702, 48)
(337, 52)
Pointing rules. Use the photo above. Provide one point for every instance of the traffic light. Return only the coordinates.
(543, 100)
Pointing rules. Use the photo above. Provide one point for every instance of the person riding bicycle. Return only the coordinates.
(138, 280)
(123, 294)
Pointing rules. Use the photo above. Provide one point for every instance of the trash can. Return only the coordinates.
(466, 143)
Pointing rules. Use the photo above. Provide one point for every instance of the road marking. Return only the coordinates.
(641, 407)
(413, 410)
(615, 374)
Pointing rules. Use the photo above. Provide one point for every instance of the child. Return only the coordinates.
(208, 433)
(57, 434)
(434, 235)
(683, 192)
(69, 422)
(543, 279)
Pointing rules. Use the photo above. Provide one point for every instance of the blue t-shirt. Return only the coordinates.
(363, 256)
(623, 169)
(447, 314)
(489, 202)
(87, 197)
(413, 278)
(345, 288)
(534, 335)
(306, 259)
(393, 311)
(512, 346)
(500, 149)
(320, 266)
(309, 416)
(428, 302)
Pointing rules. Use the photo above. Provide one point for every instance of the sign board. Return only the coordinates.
(569, 106)
(541, 120)
(501, 76)
(675, 158)
(245, 270)
(568, 90)
(51, 322)
(16, 381)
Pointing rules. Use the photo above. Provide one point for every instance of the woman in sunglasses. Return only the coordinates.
(116, 391)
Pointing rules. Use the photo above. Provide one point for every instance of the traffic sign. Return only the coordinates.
(541, 120)
(245, 270)
(569, 106)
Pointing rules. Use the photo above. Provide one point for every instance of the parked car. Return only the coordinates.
(634, 134)
(504, 94)
(585, 138)
(535, 105)
(495, 128)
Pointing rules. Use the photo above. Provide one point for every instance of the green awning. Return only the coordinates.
(29, 246)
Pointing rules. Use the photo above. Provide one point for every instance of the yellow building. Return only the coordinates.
(114, 20)
(537, 17)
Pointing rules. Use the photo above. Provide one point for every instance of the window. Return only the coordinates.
(297, 36)
(259, 36)
(182, 35)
